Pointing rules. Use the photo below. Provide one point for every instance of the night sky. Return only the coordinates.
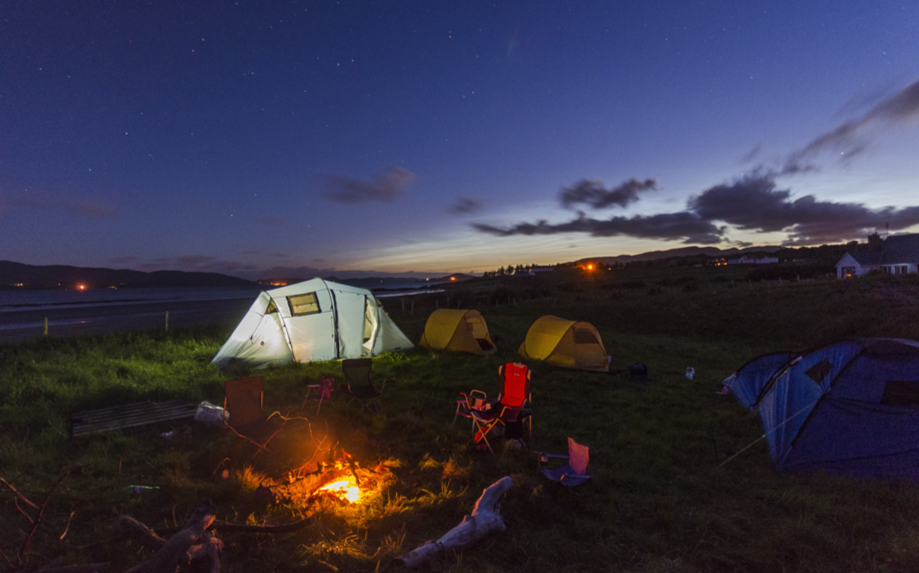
(303, 138)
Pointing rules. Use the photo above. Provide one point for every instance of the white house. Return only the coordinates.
(747, 260)
(743, 260)
(897, 255)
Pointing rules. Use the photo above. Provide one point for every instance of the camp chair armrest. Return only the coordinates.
(573, 476)
(543, 457)
(475, 394)
(512, 414)
(483, 415)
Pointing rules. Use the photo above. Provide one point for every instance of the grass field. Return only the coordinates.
(661, 498)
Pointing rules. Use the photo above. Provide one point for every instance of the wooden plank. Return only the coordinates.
(128, 416)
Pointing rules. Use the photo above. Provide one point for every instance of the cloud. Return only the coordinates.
(49, 202)
(753, 153)
(385, 188)
(591, 192)
(465, 205)
(685, 226)
(852, 137)
(755, 204)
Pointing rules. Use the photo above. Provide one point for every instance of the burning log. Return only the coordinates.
(484, 520)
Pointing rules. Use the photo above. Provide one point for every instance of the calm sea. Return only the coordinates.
(29, 300)
(23, 314)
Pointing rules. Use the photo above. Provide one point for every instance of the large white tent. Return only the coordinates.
(312, 320)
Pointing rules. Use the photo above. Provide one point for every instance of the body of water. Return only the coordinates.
(23, 313)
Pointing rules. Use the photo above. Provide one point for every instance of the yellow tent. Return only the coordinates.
(565, 343)
(458, 330)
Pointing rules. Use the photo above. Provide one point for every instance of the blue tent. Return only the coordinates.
(850, 408)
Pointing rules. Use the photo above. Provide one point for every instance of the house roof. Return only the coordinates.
(896, 250)
(866, 258)
(900, 249)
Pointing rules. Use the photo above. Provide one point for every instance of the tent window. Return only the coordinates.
(818, 371)
(584, 337)
(303, 304)
(901, 392)
(272, 308)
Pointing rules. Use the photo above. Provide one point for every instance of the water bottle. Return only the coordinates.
(690, 373)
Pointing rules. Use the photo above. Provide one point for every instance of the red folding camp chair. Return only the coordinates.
(321, 391)
(511, 409)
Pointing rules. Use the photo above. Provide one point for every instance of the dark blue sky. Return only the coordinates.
(299, 138)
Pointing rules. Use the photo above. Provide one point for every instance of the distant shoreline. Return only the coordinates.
(22, 325)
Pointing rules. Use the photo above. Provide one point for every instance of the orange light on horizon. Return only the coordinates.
(452, 278)
(590, 266)
(81, 286)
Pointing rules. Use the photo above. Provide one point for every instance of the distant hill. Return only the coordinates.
(681, 252)
(22, 276)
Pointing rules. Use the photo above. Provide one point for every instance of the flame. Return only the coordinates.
(345, 488)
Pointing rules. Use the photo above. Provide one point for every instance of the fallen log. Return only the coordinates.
(84, 568)
(132, 531)
(484, 520)
(130, 528)
(193, 543)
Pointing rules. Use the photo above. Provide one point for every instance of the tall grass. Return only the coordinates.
(662, 497)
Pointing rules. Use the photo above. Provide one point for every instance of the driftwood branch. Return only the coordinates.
(484, 520)
(224, 526)
(130, 528)
(168, 556)
(84, 568)
(10, 487)
(193, 542)
(23, 554)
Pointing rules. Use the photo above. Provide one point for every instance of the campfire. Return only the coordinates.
(343, 480)
(346, 488)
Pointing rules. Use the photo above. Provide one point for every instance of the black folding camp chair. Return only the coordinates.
(356, 372)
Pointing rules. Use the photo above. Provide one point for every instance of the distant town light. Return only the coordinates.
(81, 286)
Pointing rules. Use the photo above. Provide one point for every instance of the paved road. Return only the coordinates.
(29, 324)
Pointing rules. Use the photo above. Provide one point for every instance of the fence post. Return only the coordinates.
(46, 326)
(167, 321)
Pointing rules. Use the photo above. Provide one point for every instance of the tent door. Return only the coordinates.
(371, 325)
(587, 349)
(349, 314)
